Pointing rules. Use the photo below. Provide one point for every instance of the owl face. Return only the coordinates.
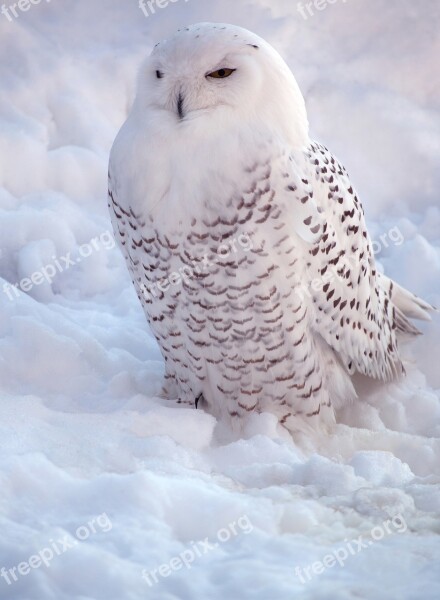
(197, 72)
(212, 78)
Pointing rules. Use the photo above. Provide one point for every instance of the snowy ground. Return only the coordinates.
(95, 469)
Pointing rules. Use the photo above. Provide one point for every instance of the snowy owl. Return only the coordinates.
(245, 240)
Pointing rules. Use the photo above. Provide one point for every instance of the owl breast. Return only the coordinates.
(225, 296)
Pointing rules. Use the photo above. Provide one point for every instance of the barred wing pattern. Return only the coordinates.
(278, 327)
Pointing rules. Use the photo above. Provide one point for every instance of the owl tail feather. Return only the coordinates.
(407, 306)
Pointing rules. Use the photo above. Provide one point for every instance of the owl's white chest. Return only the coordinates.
(220, 277)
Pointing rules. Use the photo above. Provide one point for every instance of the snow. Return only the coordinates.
(85, 438)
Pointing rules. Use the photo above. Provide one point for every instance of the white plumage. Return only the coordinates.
(245, 240)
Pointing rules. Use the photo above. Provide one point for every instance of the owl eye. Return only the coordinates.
(159, 74)
(221, 73)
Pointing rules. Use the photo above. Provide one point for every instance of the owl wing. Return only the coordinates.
(353, 308)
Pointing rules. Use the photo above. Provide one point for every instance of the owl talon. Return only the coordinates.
(198, 399)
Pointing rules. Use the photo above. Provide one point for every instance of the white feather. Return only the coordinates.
(202, 162)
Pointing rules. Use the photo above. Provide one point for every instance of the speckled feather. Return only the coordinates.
(278, 325)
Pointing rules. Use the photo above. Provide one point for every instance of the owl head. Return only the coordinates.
(219, 77)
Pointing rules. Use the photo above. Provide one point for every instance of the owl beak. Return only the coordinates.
(180, 100)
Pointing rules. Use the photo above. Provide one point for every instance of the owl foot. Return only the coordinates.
(199, 398)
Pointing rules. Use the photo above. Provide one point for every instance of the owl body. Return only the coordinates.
(246, 242)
